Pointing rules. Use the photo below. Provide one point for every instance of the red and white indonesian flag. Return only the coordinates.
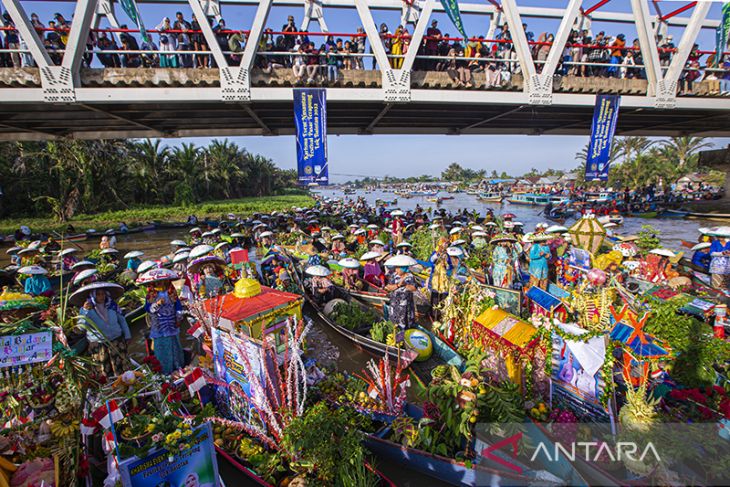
(88, 426)
(105, 417)
(108, 444)
(196, 330)
(195, 380)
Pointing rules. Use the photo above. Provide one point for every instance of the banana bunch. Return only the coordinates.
(6, 471)
(68, 398)
(62, 429)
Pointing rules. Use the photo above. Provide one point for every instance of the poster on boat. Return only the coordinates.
(507, 299)
(195, 466)
(310, 119)
(577, 372)
(28, 348)
(228, 364)
(605, 117)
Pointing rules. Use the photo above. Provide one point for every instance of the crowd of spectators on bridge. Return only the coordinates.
(318, 58)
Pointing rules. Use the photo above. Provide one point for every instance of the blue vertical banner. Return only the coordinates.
(310, 118)
(605, 117)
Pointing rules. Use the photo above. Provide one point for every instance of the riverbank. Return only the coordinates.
(162, 213)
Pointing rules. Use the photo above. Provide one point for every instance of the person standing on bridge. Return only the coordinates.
(199, 44)
(289, 28)
(433, 37)
(168, 42)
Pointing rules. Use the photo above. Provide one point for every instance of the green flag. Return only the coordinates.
(452, 10)
(130, 8)
(722, 33)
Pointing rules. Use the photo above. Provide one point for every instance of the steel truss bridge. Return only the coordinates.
(67, 100)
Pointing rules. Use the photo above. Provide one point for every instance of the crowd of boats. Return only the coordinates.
(470, 306)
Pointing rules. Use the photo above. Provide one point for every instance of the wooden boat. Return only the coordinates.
(254, 477)
(645, 214)
(170, 225)
(536, 199)
(490, 197)
(709, 216)
(377, 298)
(135, 315)
(674, 214)
(360, 340)
(449, 470)
(560, 467)
(592, 473)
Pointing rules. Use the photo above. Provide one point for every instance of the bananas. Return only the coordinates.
(6, 470)
(62, 429)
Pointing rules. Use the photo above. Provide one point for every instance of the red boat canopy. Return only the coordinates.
(247, 309)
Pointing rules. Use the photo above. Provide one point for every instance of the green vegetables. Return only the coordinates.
(648, 238)
(382, 331)
(423, 243)
(353, 316)
(326, 444)
(692, 342)
(463, 399)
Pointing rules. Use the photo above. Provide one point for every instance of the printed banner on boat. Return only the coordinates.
(577, 372)
(25, 349)
(228, 367)
(195, 466)
(310, 118)
(452, 10)
(605, 117)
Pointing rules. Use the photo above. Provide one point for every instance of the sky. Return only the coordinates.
(408, 155)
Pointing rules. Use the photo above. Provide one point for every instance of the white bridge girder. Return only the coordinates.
(60, 84)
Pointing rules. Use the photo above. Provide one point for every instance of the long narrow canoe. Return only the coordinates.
(710, 216)
(361, 341)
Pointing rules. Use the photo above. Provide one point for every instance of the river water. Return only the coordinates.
(671, 230)
(155, 244)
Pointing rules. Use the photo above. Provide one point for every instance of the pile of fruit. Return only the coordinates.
(539, 411)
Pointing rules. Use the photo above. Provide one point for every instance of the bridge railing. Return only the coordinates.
(506, 64)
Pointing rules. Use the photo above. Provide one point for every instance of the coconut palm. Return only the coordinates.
(149, 162)
(681, 150)
(631, 147)
(185, 168)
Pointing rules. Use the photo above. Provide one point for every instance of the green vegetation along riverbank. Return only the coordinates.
(162, 213)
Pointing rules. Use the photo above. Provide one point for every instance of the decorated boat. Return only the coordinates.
(535, 199)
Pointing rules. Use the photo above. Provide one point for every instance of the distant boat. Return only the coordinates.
(495, 197)
(674, 214)
(711, 216)
(536, 199)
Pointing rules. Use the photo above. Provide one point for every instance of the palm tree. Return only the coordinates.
(150, 160)
(632, 146)
(185, 168)
(682, 149)
(228, 165)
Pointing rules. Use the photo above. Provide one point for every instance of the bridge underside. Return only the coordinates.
(196, 117)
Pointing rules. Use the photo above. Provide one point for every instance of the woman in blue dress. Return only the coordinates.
(539, 257)
(106, 328)
(165, 310)
(504, 261)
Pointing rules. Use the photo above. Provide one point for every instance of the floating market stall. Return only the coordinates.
(511, 341)
(251, 316)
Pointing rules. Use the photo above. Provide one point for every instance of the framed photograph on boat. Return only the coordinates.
(507, 299)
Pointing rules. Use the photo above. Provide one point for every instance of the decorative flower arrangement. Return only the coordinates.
(701, 403)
